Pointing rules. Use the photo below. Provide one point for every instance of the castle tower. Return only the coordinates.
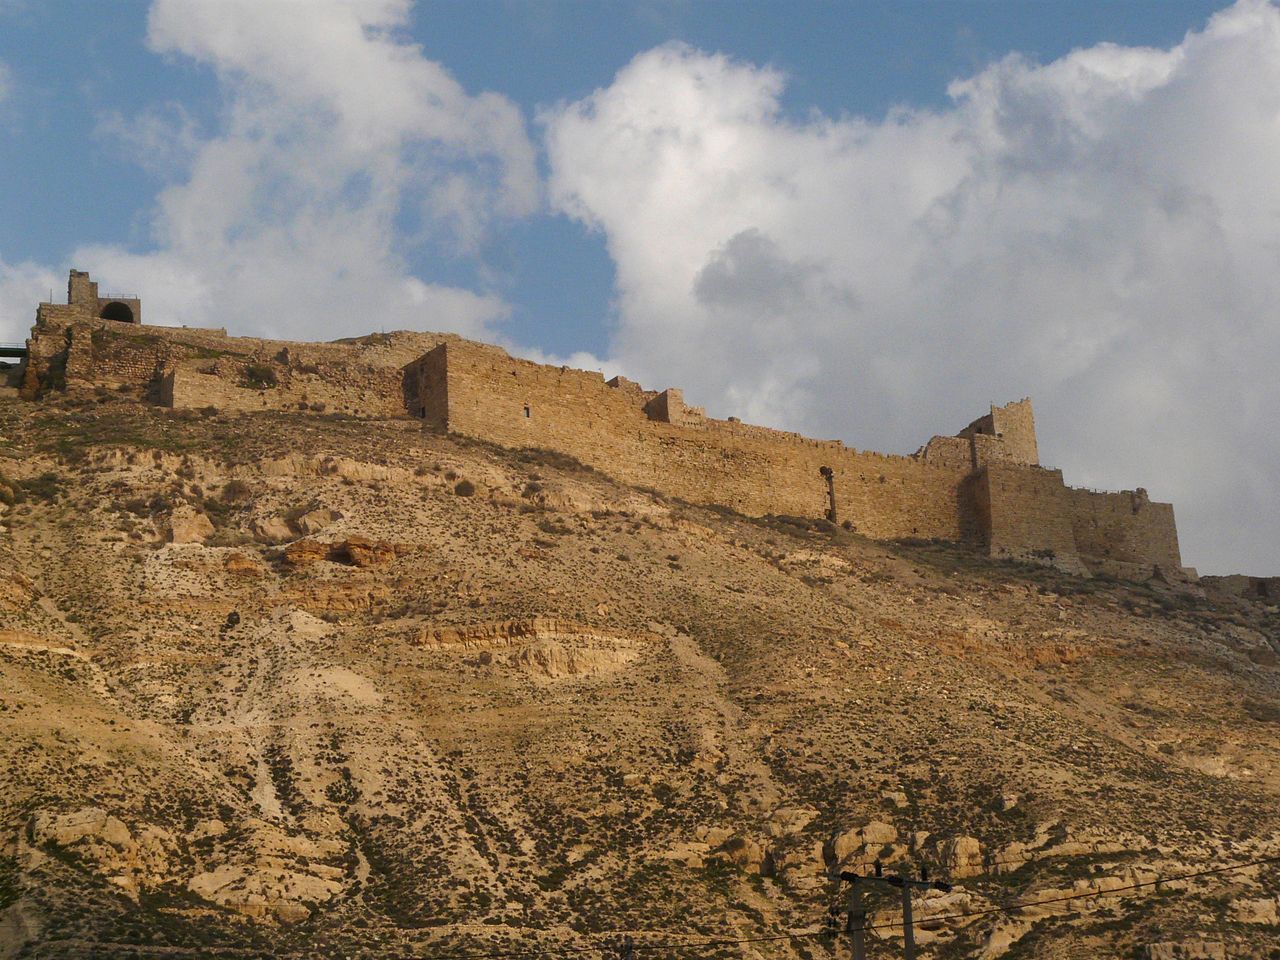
(1016, 425)
(1012, 427)
(84, 300)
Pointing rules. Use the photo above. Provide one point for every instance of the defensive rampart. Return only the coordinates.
(983, 486)
(185, 367)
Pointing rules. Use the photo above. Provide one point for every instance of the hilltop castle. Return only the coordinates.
(983, 486)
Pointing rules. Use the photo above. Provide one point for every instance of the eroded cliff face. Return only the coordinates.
(274, 682)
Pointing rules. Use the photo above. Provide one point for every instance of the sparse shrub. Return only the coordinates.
(45, 488)
(465, 488)
(553, 527)
(235, 491)
(260, 376)
(228, 537)
(1264, 711)
(296, 510)
(553, 458)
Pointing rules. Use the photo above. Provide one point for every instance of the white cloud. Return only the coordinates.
(22, 286)
(341, 149)
(1101, 232)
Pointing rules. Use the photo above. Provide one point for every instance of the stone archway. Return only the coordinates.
(115, 310)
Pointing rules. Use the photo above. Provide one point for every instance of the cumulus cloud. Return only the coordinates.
(22, 286)
(341, 151)
(1101, 232)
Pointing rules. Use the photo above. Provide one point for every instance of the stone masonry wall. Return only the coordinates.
(1026, 515)
(200, 368)
(1033, 512)
(982, 486)
(1015, 424)
(948, 451)
(751, 469)
(365, 392)
(429, 387)
(1125, 527)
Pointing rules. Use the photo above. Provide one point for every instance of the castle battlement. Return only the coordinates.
(983, 485)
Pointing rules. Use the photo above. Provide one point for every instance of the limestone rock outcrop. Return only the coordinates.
(744, 852)
(263, 890)
(61, 829)
(1263, 910)
(240, 565)
(362, 552)
(314, 521)
(16, 591)
(354, 551)
(859, 847)
(962, 857)
(552, 659)
(272, 530)
(304, 553)
(1187, 950)
(188, 525)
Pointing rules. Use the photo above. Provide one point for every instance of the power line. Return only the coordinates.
(799, 935)
(1092, 894)
(1010, 908)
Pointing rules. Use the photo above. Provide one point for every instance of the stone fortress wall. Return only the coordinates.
(983, 486)
(72, 344)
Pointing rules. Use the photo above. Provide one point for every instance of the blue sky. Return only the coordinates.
(68, 182)
(859, 220)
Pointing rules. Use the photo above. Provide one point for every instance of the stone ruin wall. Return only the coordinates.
(83, 297)
(1031, 513)
(195, 368)
(752, 469)
(1022, 510)
(973, 488)
(1125, 534)
(363, 392)
(983, 486)
(1005, 435)
(1015, 425)
(1263, 589)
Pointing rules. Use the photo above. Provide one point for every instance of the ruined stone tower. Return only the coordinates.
(84, 301)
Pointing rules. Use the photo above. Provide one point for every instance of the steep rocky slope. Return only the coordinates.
(296, 685)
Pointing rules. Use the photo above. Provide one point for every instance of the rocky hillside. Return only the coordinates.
(289, 685)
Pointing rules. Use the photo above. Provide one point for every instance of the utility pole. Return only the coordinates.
(856, 924)
(857, 918)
